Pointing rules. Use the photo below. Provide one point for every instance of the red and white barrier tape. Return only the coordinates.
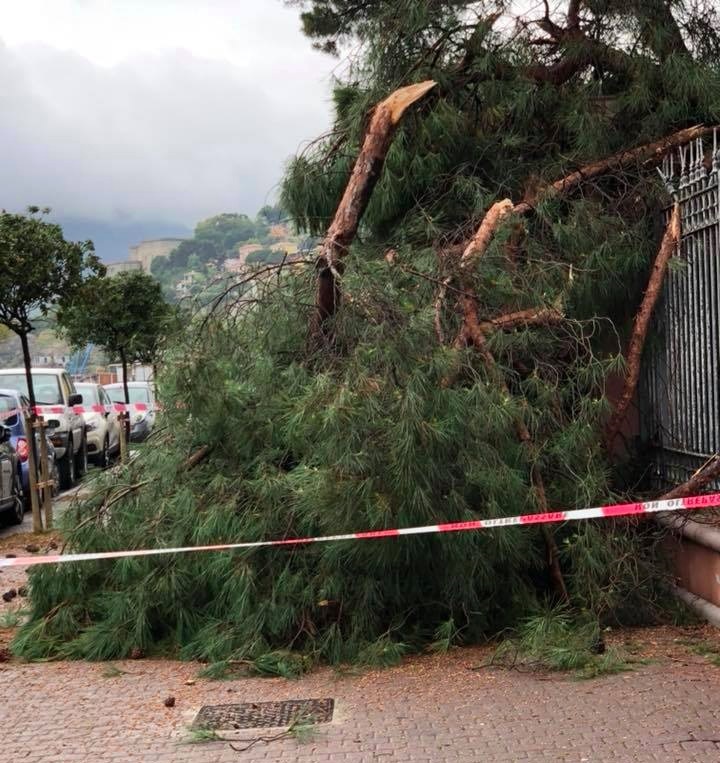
(598, 512)
(41, 410)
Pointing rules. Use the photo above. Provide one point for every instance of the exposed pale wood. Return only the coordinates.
(479, 243)
(366, 172)
(44, 475)
(641, 325)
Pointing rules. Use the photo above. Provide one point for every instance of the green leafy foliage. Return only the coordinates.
(39, 270)
(557, 640)
(394, 424)
(126, 315)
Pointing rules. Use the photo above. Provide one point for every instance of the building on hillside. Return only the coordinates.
(113, 268)
(146, 251)
(280, 230)
(137, 372)
(49, 361)
(289, 247)
(247, 249)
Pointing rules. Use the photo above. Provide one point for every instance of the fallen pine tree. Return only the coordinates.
(490, 249)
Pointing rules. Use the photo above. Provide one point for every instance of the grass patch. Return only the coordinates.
(555, 640)
(202, 736)
(12, 618)
(708, 650)
(113, 671)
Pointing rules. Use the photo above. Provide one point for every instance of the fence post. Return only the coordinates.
(32, 470)
(124, 432)
(45, 476)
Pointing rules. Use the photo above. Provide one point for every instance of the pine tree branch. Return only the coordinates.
(365, 174)
(534, 316)
(670, 241)
(648, 153)
(474, 333)
(479, 243)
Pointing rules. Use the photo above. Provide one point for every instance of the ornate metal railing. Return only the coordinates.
(680, 396)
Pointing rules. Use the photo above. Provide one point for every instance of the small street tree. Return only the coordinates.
(39, 270)
(126, 315)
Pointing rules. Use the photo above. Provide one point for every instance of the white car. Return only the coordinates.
(102, 425)
(142, 406)
(56, 397)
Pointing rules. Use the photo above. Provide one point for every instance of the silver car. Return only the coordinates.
(142, 406)
(102, 426)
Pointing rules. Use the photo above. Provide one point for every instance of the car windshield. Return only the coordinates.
(47, 387)
(89, 393)
(8, 411)
(137, 394)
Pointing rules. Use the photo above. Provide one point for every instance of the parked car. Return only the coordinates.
(13, 407)
(102, 425)
(10, 490)
(56, 395)
(142, 418)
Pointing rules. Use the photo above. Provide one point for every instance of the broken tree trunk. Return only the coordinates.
(669, 243)
(366, 172)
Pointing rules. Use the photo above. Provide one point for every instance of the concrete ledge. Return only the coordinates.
(705, 535)
(703, 607)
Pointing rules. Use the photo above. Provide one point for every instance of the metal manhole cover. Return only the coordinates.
(253, 715)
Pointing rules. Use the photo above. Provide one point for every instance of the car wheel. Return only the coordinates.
(81, 460)
(18, 513)
(67, 468)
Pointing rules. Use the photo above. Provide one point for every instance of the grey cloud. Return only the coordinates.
(169, 136)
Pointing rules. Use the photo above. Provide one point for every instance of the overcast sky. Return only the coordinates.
(153, 109)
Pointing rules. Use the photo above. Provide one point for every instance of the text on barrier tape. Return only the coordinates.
(598, 512)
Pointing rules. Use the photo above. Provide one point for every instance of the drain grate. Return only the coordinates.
(253, 715)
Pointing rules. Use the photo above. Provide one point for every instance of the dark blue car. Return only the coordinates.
(13, 407)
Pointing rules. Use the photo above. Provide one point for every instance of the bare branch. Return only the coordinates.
(668, 246)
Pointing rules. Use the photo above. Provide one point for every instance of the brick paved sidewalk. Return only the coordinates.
(430, 709)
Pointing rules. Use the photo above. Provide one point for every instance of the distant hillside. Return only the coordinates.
(113, 239)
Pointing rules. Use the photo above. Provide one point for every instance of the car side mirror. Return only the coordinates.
(5, 433)
(75, 399)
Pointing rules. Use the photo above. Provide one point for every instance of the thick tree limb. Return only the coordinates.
(195, 458)
(702, 477)
(366, 172)
(479, 243)
(648, 153)
(668, 246)
(534, 316)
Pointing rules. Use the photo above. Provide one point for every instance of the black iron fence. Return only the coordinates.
(680, 394)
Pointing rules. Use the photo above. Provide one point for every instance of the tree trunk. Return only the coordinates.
(366, 172)
(28, 372)
(126, 414)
